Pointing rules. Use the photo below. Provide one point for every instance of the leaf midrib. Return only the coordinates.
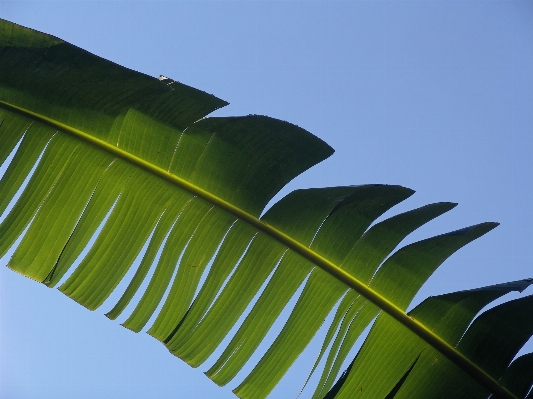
(477, 373)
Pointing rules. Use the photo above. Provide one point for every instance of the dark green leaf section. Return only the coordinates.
(400, 383)
(50, 76)
(518, 377)
(14, 35)
(246, 160)
(402, 275)
(98, 142)
(436, 376)
(433, 375)
(498, 334)
(243, 160)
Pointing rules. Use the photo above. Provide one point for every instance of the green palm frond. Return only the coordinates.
(97, 144)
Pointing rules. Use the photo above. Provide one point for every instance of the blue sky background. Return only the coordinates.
(433, 95)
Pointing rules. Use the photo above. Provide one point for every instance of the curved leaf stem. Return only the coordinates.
(477, 373)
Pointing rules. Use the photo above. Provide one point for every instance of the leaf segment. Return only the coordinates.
(473, 370)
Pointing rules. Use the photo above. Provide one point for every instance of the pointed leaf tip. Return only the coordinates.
(482, 228)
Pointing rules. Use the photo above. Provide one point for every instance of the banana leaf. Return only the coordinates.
(104, 161)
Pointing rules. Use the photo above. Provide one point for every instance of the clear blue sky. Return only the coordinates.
(433, 95)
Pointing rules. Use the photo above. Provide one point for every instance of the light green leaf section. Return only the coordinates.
(209, 233)
(126, 231)
(31, 147)
(347, 222)
(240, 290)
(191, 326)
(106, 193)
(12, 131)
(165, 223)
(38, 189)
(44, 241)
(192, 212)
(107, 142)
